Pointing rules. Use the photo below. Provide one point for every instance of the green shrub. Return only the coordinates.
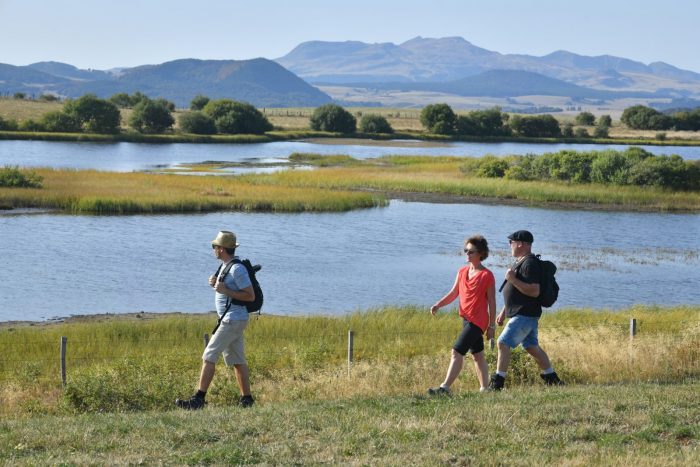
(12, 177)
(60, 122)
(438, 119)
(197, 123)
(332, 117)
(151, 116)
(581, 133)
(371, 123)
(232, 117)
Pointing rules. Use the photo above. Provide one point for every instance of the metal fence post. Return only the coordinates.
(350, 349)
(64, 343)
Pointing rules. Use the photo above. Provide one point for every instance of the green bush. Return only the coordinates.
(332, 117)
(232, 117)
(371, 123)
(60, 122)
(535, 126)
(581, 133)
(13, 177)
(198, 102)
(151, 116)
(491, 122)
(601, 131)
(438, 119)
(197, 123)
(634, 166)
(585, 119)
(8, 125)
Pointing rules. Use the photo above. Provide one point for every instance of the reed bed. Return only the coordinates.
(127, 363)
(442, 176)
(89, 191)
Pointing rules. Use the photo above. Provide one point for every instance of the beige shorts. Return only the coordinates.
(227, 340)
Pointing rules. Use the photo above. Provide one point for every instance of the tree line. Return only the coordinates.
(91, 114)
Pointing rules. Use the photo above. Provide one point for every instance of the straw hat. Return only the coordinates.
(225, 239)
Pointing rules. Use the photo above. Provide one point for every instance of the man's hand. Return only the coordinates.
(510, 275)
(490, 333)
(221, 287)
(434, 309)
(501, 317)
(212, 280)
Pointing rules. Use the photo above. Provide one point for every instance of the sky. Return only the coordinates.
(105, 34)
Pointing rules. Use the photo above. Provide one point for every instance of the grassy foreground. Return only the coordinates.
(626, 401)
(644, 425)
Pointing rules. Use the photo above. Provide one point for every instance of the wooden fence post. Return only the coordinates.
(633, 328)
(350, 350)
(64, 343)
(206, 340)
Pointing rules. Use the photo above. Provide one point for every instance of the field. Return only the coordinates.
(406, 120)
(626, 401)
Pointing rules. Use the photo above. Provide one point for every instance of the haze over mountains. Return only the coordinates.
(446, 66)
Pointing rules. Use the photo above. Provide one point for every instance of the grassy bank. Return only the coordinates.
(626, 401)
(339, 183)
(443, 176)
(89, 191)
(118, 363)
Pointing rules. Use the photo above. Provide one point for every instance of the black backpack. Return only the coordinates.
(549, 289)
(255, 305)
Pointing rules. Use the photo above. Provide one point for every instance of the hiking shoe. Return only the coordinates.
(497, 382)
(246, 401)
(193, 403)
(439, 391)
(552, 379)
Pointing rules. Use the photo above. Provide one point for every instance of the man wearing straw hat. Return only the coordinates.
(228, 338)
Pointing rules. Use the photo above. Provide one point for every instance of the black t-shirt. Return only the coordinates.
(516, 302)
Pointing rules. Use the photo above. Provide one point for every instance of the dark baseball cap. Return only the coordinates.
(521, 236)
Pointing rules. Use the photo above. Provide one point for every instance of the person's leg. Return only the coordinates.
(503, 358)
(456, 364)
(482, 369)
(243, 379)
(540, 356)
(206, 375)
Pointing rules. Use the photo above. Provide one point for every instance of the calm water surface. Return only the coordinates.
(127, 157)
(407, 253)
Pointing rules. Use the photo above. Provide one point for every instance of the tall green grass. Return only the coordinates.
(120, 364)
(89, 191)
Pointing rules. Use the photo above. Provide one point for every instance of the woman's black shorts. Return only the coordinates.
(470, 339)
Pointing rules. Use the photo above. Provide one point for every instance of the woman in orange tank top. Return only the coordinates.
(476, 288)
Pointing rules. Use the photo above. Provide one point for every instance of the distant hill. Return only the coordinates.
(260, 82)
(504, 83)
(453, 58)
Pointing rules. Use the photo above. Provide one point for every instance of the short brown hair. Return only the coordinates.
(482, 246)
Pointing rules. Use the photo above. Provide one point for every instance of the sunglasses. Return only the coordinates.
(470, 252)
(214, 247)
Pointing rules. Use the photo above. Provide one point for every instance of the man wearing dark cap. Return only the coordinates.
(521, 290)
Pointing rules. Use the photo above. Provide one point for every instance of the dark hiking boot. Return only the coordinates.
(497, 382)
(246, 401)
(193, 403)
(439, 391)
(552, 379)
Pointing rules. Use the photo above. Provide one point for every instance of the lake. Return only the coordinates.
(407, 253)
(128, 157)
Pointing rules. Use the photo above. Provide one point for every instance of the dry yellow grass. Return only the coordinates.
(21, 109)
(119, 193)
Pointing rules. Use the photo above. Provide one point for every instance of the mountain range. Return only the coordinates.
(449, 66)
(454, 58)
(260, 82)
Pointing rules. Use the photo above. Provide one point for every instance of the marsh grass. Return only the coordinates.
(96, 192)
(415, 174)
